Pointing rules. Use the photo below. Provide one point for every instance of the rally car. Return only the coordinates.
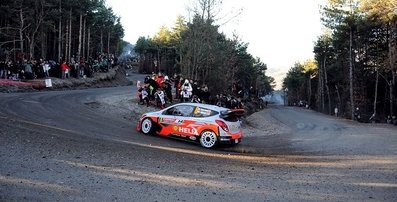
(208, 124)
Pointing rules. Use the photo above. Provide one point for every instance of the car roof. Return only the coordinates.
(208, 106)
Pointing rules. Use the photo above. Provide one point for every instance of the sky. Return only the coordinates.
(279, 32)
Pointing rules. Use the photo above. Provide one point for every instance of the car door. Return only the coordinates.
(183, 120)
(173, 121)
(167, 120)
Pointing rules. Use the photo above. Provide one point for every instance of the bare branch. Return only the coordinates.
(6, 42)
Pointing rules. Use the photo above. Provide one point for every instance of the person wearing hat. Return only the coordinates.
(186, 91)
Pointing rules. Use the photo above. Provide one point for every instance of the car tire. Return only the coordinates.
(208, 139)
(147, 126)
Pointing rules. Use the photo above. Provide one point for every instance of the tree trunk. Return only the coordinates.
(22, 20)
(376, 90)
(339, 105)
(84, 28)
(309, 90)
(60, 34)
(54, 43)
(321, 86)
(108, 42)
(80, 38)
(392, 93)
(117, 47)
(391, 97)
(88, 42)
(392, 62)
(70, 35)
(32, 37)
(326, 86)
(351, 73)
(101, 41)
(31, 47)
(66, 58)
(15, 55)
(318, 101)
(43, 43)
(328, 93)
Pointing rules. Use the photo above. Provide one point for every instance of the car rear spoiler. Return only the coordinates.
(232, 112)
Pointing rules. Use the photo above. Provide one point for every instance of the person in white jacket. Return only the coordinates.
(186, 91)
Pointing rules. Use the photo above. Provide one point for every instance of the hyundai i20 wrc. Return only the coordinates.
(210, 125)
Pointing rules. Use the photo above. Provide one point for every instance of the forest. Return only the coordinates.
(74, 29)
(197, 50)
(354, 68)
(58, 30)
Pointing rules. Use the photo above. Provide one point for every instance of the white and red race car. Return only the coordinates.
(208, 124)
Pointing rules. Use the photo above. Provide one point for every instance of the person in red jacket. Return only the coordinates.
(65, 70)
(159, 78)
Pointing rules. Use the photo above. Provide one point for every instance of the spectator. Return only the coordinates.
(357, 114)
(205, 94)
(3, 72)
(160, 98)
(177, 85)
(144, 95)
(388, 120)
(168, 89)
(196, 99)
(82, 66)
(159, 78)
(195, 88)
(65, 70)
(46, 68)
(152, 86)
(186, 91)
(28, 70)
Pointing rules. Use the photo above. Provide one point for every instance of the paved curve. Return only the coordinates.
(57, 146)
(315, 133)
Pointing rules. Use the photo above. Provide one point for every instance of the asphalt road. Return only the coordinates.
(63, 146)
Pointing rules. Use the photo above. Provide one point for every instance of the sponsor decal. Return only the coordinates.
(201, 112)
(166, 120)
(175, 128)
(197, 111)
(193, 137)
(191, 131)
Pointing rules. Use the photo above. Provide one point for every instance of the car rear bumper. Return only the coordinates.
(230, 139)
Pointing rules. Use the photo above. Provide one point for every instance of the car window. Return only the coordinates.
(170, 111)
(203, 112)
(183, 110)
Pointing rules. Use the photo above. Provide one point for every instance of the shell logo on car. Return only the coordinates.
(209, 124)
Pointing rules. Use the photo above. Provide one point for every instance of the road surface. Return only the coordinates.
(66, 146)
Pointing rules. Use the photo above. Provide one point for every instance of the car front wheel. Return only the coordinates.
(208, 139)
(147, 126)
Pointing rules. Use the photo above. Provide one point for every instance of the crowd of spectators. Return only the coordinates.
(161, 90)
(42, 68)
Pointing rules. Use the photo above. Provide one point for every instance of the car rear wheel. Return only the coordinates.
(208, 139)
(147, 126)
